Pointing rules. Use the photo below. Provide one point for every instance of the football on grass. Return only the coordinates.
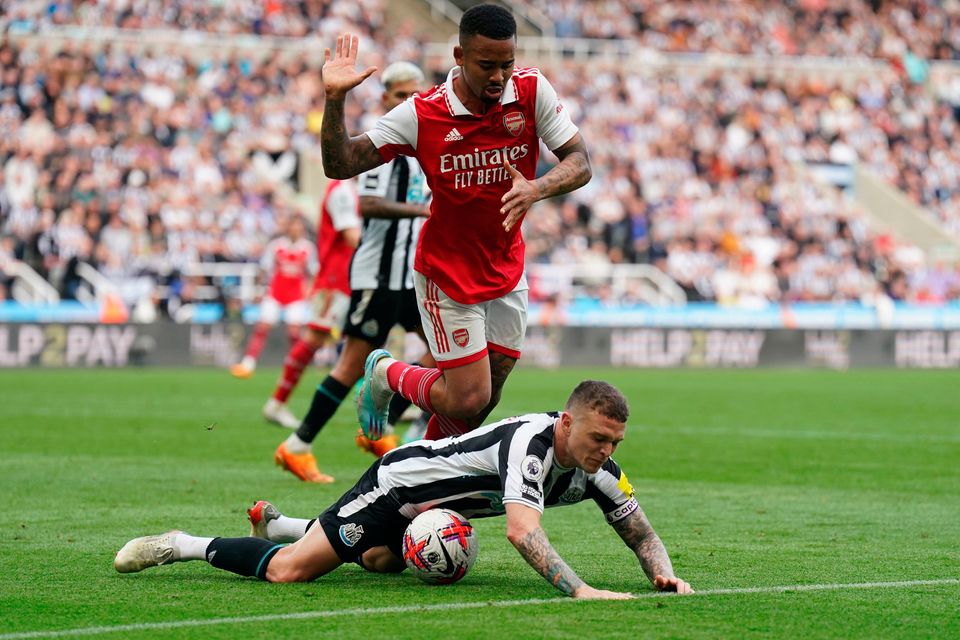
(440, 546)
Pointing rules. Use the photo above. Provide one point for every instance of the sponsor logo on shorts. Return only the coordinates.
(514, 122)
(623, 510)
(351, 533)
(532, 468)
(461, 337)
(370, 328)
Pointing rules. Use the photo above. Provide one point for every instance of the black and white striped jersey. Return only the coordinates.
(384, 258)
(477, 473)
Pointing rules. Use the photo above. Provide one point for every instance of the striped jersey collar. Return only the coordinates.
(456, 106)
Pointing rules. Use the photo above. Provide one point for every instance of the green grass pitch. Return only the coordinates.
(753, 479)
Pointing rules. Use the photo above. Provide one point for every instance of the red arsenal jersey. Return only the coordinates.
(463, 247)
(340, 210)
(291, 264)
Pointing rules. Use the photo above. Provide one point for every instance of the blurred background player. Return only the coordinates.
(338, 233)
(477, 136)
(290, 260)
(393, 201)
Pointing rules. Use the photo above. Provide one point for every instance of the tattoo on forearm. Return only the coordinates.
(536, 550)
(333, 137)
(343, 157)
(571, 173)
(636, 532)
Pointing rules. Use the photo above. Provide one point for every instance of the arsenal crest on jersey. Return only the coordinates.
(461, 337)
(514, 122)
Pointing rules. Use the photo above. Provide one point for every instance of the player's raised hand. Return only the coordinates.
(339, 69)
(519, 198)
(671, 584)
(586, 592)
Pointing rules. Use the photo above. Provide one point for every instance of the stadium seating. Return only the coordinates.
(794, 28)
(145, 161)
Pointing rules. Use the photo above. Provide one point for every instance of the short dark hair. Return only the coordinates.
(602, 397)
(487, 20)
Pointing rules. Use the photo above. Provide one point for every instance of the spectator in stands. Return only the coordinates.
(691, 170)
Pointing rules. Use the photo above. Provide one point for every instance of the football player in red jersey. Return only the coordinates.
(338, 233)
(290, 260)
(477, 137)
(392, 203)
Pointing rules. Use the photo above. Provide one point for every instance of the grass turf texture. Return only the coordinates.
(752, 479)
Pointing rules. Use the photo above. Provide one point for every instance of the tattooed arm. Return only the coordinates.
(636, 532)
(572, 172)
(343, 157)
(525, 533)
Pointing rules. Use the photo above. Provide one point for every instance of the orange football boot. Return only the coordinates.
(302, 465)
(389, 442)
(241, 371)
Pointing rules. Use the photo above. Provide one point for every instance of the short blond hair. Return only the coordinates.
(401, 72)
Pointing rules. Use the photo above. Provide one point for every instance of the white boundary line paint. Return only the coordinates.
(451, 606)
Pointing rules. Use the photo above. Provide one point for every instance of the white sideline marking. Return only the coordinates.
(452, 606)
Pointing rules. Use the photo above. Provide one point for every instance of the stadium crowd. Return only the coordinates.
(142, 163)
(856, 28)
(704, 177)
(927, 29)
(285, 18)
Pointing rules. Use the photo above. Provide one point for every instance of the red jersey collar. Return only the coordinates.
(456, 106)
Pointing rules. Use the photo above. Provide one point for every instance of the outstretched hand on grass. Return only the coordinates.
(586, 592)
(671, 584)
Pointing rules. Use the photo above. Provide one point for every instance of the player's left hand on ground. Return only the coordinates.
(671, 584)
(519, 199)
(586, 592)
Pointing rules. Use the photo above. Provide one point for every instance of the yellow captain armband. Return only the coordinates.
(624, 485)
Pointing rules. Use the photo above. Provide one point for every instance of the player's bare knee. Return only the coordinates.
(283, 571)
(314, 337)
(471, 403)
(382, 560)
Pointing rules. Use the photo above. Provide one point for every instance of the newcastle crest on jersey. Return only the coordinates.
(514, 123)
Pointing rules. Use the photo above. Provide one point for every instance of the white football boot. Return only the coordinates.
(148, 551)
(278, 413)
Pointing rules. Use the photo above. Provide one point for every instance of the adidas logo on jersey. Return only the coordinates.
(453, 136)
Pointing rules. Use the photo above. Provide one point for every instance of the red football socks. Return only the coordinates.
(413, 383)
(256, 341)
(442, 427)
(297, 360)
